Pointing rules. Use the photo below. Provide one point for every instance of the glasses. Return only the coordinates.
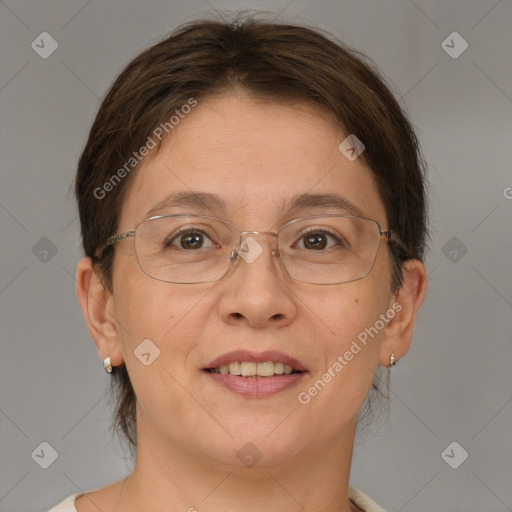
(322, 249)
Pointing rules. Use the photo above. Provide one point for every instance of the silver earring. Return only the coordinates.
(392, 360)
(107, 365)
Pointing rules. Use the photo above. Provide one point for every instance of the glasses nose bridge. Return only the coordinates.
(243, 234)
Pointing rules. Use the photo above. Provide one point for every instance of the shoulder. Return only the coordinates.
(103, 498)
(362, 500)
(67, 505)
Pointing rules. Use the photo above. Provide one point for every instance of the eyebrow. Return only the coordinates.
(327, 200)
(213, 202)
(196, 200)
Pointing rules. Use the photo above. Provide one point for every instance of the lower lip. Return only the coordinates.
(256, 387)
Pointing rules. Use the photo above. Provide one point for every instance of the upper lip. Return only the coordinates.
(256, 357)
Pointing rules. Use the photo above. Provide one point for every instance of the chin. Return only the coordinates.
(256, 446)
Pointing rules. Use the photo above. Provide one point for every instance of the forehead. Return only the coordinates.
(258, 157)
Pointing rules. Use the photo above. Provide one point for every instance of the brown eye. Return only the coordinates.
(318, 240)
(315, 241)
(189, 240)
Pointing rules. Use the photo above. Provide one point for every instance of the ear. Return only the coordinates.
(405, 303)
(97, 305)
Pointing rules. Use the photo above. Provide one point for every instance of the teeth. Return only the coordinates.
(265, 369)
(248, 369)
(278, 368)
(251, 369)
(234, 368)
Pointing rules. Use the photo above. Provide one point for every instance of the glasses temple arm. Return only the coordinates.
(121, 236)
(392, 236)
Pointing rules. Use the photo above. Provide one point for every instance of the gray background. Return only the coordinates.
(456, 382)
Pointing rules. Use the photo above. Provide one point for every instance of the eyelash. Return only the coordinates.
(168, 241)
(326, 232)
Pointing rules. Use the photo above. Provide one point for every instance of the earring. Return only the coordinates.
(107, 365)
(392, 360)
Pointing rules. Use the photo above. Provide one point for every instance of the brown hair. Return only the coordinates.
(270, 60)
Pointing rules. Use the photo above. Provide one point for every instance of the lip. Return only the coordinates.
(256, 387)
(256, 357)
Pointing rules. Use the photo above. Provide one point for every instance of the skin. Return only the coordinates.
(253, 153)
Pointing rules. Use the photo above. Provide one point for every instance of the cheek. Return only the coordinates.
(351, 320)
(146, 307)
(354, 307)
(162, 319)
(349, 324)
(157, 325)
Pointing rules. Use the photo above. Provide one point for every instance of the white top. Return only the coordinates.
(357, 496)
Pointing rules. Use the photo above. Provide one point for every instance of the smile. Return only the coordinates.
(253, 369)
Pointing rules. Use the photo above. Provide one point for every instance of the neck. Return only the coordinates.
(167, 473)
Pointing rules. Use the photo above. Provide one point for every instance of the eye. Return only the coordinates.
(189, 239)
(318, 239)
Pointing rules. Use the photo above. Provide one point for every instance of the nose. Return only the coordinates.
(257, 291)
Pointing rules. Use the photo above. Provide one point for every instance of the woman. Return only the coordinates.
(252, 207)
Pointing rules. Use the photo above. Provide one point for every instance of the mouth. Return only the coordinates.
(250, 369)
(256, 375)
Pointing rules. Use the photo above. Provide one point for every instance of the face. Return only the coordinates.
(256, 156)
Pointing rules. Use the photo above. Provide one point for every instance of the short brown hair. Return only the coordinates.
(273, 61)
